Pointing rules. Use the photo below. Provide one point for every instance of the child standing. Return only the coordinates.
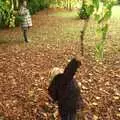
(26, 19)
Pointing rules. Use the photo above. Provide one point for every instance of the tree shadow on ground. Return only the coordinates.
(11, 42)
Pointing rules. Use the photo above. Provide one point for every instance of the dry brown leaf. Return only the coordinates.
(94, 103)
(116, 97)
(95, 117)
(97, 98)
(118, 114)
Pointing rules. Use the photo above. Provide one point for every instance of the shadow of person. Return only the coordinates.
(64, 90)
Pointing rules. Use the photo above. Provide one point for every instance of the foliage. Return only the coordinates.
(100, 45)
(7, 14)
(102, 19)
(36, 5)
(69, 4)
(86, 11)
(118, 1)
(101, 11)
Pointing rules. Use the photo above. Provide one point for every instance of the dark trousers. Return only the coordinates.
(25, 30)
(68, 116)
(25, 35)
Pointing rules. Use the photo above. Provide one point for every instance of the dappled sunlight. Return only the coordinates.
(116, 12)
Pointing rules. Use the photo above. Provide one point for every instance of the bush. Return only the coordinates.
(7, 15)
(83, 14)
(86, 11)
(36, 5)
(2, 25)
(3, 14)
(118, 1)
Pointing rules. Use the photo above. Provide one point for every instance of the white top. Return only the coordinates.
(27, 21)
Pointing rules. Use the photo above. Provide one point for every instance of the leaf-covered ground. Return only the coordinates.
(54, 39)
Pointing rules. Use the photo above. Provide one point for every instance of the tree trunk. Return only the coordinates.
(16, 4)
(82, 36)
(70, 5)
(12, 5)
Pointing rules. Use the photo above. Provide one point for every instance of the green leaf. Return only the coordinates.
(105, 28)
(110, 5)
(90, 10)
(99, 49)
(96, 4)
(97, 17)
(107, 15)
(104, 31)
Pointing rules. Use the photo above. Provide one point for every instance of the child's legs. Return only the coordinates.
(64, 116)
(71, 116)
(25, 30)
(68, 116)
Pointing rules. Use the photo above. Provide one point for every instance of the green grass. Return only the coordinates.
(72, 29)
(74, 14)
(66, 14)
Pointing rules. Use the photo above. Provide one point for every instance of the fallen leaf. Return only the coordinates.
(95, 117)
(116, 97)
(84, 88)
(94, 103)
(118, 114)
(97, 98)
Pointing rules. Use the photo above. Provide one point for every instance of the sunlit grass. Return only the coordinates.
(74, 14)
(67, 14)
(116, 12)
